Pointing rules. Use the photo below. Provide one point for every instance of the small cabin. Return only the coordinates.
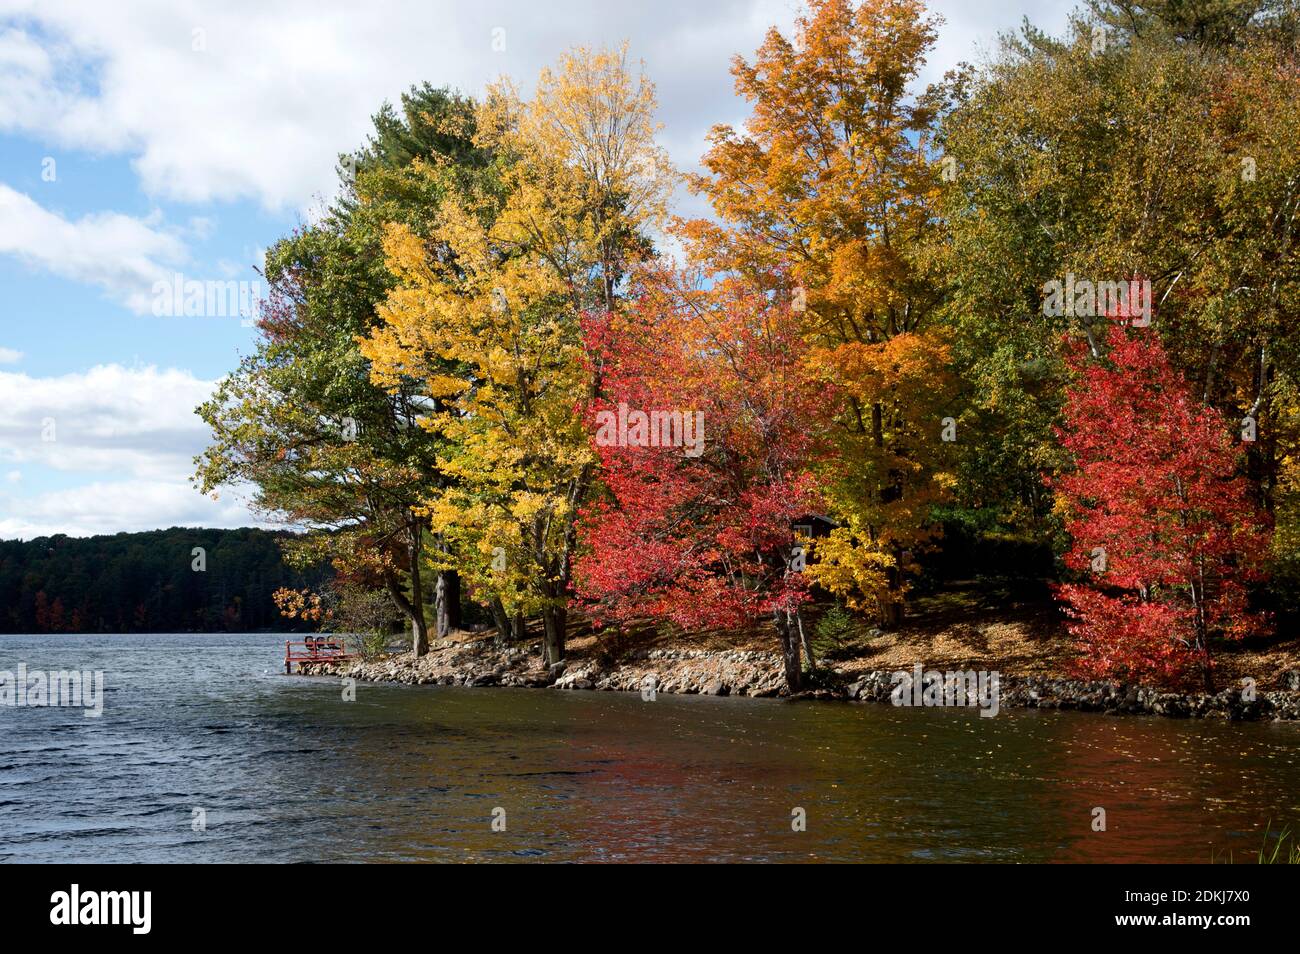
(813, 525)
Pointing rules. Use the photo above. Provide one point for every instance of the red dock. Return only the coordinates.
(314, 649)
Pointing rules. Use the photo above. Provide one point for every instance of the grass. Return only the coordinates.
(1286, 851)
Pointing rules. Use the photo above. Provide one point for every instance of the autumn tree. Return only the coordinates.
(1164, 532)
(707, 438)
(1153, 139)
(300, 421)
(826, 198)
(498, 288)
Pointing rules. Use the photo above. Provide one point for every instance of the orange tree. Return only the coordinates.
(826, 197)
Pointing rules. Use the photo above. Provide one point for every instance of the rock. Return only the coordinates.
(759, 675)
(578, 679)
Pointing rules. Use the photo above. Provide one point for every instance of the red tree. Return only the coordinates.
(699, 533)
(1161, 520)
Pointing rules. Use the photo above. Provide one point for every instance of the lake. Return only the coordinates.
(283, 769)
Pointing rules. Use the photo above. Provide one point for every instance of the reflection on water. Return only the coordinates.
(287, 771)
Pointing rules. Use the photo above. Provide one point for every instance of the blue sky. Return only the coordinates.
(145, 139)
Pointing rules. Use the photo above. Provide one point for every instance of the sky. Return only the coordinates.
(161, 142)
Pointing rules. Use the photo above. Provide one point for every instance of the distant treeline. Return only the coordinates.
(176, 580)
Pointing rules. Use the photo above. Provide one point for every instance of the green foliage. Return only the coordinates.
(833, 636)
(1168, 150)
(300, 419)
(367, 616)
(1206, 23)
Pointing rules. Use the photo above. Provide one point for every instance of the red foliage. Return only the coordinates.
(1156, 494)
(701, 540)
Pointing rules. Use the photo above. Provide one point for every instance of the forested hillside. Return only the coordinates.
(175, 580)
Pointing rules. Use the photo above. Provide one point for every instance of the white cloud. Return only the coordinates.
(110, 420)
(971, 28)
(128, 434)
(10, 356)
(120, 254)
(116, 506)
(278, 91)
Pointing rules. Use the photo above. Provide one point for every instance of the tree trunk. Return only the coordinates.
(446, 597)
(891, 609)
(804, 642)
(789, 650)
(421, 634)
(501, 618)
(414, 613)
(1202, 628)
(447, 602)
(891, 613)
(554, 620)
(519, 628)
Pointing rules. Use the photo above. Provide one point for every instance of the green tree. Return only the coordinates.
(1152, 142)
(300, 420)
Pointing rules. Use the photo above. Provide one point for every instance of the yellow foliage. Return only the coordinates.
(497, 293)
(855, 570)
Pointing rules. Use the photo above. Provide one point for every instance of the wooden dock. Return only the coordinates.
(314, 649)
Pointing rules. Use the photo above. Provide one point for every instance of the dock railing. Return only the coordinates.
(315, 649)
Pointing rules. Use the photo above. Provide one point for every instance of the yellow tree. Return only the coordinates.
(500, 290)
(827, 195)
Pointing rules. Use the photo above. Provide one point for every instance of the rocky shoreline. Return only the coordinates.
(758, 675)
(1113, 698)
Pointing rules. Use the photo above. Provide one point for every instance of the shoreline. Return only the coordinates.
(756, 674)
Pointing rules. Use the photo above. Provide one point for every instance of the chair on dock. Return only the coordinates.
(314, 649)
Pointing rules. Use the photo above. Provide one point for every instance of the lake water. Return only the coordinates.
(285, 770)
